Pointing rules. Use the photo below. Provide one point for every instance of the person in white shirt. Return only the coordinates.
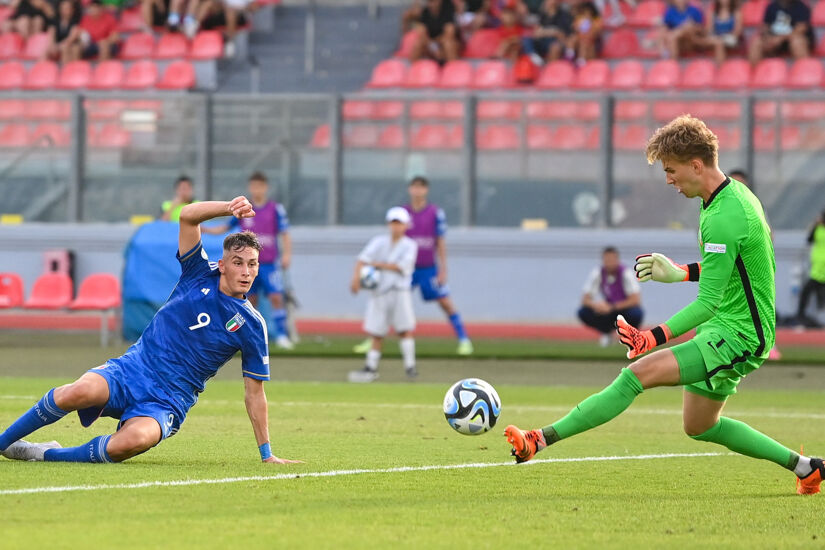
(390, 303)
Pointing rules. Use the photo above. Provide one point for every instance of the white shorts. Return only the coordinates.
(392, 309)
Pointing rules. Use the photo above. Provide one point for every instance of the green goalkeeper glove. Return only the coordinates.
(664, 270)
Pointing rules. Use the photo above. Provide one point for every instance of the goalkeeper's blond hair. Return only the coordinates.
(682, 139)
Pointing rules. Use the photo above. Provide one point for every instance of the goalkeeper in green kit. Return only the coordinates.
(734, 315)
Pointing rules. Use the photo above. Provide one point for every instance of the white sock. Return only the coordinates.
(373, 356)
(407, 346)
(803, 467)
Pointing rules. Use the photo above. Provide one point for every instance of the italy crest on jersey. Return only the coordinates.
(235, 322)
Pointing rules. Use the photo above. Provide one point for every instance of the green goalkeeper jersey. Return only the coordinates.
(736, 283)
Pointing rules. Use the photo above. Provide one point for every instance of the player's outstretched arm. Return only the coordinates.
(192, 215)
(258, 411)
(658, 267)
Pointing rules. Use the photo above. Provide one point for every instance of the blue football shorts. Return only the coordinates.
(427, 279)
(270, 280)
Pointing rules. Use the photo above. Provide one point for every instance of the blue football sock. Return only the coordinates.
(458, 326)
(93, 451)
(43, 413)
(279, 320)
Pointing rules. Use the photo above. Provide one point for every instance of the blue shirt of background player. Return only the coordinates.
(675, 18)
(195, 333)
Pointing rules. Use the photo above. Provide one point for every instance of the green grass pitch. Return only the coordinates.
(688, 501)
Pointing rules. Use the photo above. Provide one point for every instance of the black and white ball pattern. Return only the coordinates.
(472, 406)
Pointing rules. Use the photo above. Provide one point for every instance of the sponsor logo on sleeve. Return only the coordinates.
(715, 248)
(235, 322)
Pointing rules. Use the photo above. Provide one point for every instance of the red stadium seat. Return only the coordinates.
(452, 109)
(765, 110)
(499, 109)
(625, 10)
(50, 134)
(573, 138)
(803, 111)
(320, 138)
(48, 109)
(733, 74)
(112, 136)
(12, 109)
(769, 73)
(456, 74)
(631, 137)
(11, 290)
(424, 73)
(627, 75)
(426, 109)
(361, 135)
(539, 137)
(592, 75)
(11, 45)
(715, 110)
(498, 138)
(663, 75)
(806, 73)
(699, 74)
(36, 46)
(206, 45)
(130, 21)
(14, 135)
(391, 137)
(630, 110)
(588, 111)
(729, 137)
(818, 15)
(790, 138)
(665, 111)
(482, 44)
(108, 75)
(647, 14)
(41, 76)
(764, 137)
(436, 136)
(12, 75)
(98, 291)
(753, 11)
(621, 44)
(141, 75)
(408, 42)
(358, 110)
(491, 75)
(820, 47)
(388, 74)
(104, 109)
(389, 109)
(560, 110)
(140, 45)
(179, 75)
(171, 45)
(50, 291)
(557, 75)
(75, 75)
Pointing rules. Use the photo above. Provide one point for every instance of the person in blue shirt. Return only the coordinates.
(682, 28)
(151, 387)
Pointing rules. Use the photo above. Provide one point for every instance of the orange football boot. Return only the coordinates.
(809, 485)
(526, 443)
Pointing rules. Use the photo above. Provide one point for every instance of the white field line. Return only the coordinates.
(337, 473)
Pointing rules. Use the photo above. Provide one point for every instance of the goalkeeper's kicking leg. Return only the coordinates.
(701, 415)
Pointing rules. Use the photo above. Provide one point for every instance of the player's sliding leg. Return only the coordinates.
(136, 436)
(406, 344)
(89, 390)
(465, 346)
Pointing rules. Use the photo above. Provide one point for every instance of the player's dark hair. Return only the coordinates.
(238, 241)
(420, 180)
(258, 176)
(182, 178)
(610, 249)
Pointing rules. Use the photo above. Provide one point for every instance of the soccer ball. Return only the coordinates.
(370, 277)
(471, 406)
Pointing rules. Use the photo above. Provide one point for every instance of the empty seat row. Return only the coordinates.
(54, 291)
(106, 75)
(110, 135)
(61, 109)
(699, 74)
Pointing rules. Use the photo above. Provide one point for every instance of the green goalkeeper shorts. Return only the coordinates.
(726, 359)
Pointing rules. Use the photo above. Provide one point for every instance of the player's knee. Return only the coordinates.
(137, 441)
(77, 395)
(695, 427)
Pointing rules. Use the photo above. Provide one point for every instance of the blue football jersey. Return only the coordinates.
(196, 332)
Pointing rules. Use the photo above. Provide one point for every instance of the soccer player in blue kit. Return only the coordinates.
(150, 388)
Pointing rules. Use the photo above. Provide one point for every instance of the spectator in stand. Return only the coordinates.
(786, 29)
(155, 13)
(616, 16)
(471, 15)
(98, 37)
(215, 14)
(29, 17)
(682, 29)
(438, 36)
(723, 28)
(550, 37)
(587, 33)
(184, 194)
(64, 32)
(815, 285)
(510, 33)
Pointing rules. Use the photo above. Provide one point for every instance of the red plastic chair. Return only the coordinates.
(320, 138)
(818, 15)
(791, 139)
(765, 110)
(75, 75)
(14, 135)
(498, 138)
(571, 138)
(387, 110)
(12, 109)
(456, 74)
(11, 45)
(561, 110)
(482, 44)
(820, 47)
(663, 75)
(98, 291)
(492, 74)
(11, 290)
(141, 75)
(753, 12)
(179, 75)
(130, 21)
(699, 74)
(539, 137)
(42, 76)
(391, 137)
(733, 74)
(36, 46)
(436, 136)
(588, 111)
(769, 73)
(140, 45)
(172, 45)
(50, 134)
(803, 111)
(647, 14)
(592, 75)
(558, 75)
(424, 73)
(48, 109)
(665, 111)
(206, 45)
(361, 136)
(625, 10)
(426, 109)
(389, 73)
(630, 137)
(108, 75)
(630, 110)
(764, 137)
(50, 291)
(806, 73)
(627, 75)
(111, 136)
(510, 110)
(12, 75)
(358, 110)
(408, 42)
(621, 44)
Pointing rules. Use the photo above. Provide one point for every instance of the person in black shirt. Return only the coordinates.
(786, 29)
(438, 36)
(555, 26)
(64, 31)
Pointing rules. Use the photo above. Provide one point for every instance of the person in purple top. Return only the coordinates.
(270, 224)
(427, 228)
(610, 290)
